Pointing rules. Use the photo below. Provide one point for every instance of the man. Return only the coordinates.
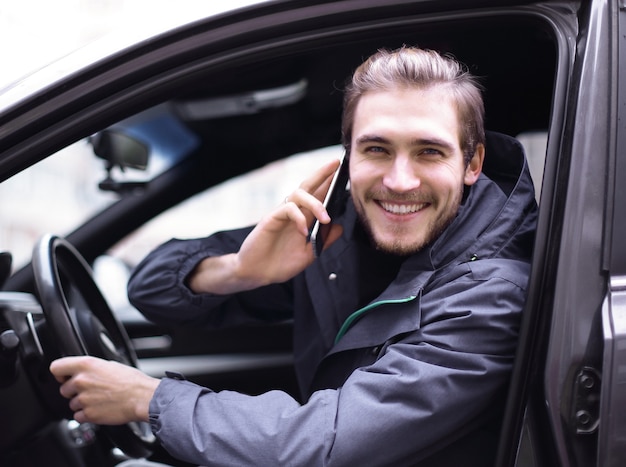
(404, 329)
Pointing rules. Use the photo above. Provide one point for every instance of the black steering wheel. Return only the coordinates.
(81, 323)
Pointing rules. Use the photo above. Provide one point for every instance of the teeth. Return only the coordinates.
(402, 208)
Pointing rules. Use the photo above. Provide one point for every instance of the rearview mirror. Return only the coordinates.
(120, 150)
(123, 151)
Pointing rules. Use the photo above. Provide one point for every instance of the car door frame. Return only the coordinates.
(557, 380)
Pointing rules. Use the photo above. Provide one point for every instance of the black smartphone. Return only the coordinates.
(334, 202)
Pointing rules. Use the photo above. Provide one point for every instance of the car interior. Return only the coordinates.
(208, 124)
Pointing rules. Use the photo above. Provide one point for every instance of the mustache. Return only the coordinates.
(389, 195)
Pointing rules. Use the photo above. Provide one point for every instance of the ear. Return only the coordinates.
(475, 166)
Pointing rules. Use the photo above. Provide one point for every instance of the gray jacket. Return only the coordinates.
(417, 377)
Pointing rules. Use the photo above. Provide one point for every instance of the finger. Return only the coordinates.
(321, 178)
(308, 197)
(75, 404)
(294, 214)
(80, 417)
(65, 367)
(68, 389)
(312, 205)
(61, 369)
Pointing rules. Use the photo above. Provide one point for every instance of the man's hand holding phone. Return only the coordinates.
(279, 247)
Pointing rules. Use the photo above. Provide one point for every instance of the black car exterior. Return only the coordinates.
(552, 67)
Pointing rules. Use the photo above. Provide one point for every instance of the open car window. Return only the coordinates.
(235, 203)
(238, 202)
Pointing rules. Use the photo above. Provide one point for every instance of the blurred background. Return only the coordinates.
(34, 33)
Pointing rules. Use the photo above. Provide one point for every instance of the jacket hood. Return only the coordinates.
(498, 215)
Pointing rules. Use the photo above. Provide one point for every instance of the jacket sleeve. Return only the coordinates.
(425, 387)
(158, 289)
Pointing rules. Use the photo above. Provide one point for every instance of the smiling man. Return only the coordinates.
(405, 327)
(407, 167)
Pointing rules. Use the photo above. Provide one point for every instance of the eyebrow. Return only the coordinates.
(372, 139)
(433, 142)
(364, 139)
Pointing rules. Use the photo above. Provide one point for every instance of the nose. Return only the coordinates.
(401, 176)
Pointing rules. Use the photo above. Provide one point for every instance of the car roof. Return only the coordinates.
(122, 30)
(316, 42)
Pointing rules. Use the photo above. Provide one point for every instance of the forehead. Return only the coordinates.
(408, 113)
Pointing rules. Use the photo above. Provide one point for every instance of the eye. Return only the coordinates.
(375, 149)
(431, 153)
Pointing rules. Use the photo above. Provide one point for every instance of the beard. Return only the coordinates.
(401, 244)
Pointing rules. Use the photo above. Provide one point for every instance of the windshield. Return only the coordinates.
(55, 195)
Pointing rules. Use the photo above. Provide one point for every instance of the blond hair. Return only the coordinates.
(411, 67)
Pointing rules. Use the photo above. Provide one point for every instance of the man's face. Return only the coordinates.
(406, 167)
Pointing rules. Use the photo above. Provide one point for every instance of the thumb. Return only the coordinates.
(63, 368)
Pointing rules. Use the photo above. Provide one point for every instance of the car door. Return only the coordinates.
(612, 424)
(566, 389)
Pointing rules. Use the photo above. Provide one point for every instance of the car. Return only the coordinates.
(109, 152)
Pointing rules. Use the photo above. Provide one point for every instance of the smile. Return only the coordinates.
(402, 209)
